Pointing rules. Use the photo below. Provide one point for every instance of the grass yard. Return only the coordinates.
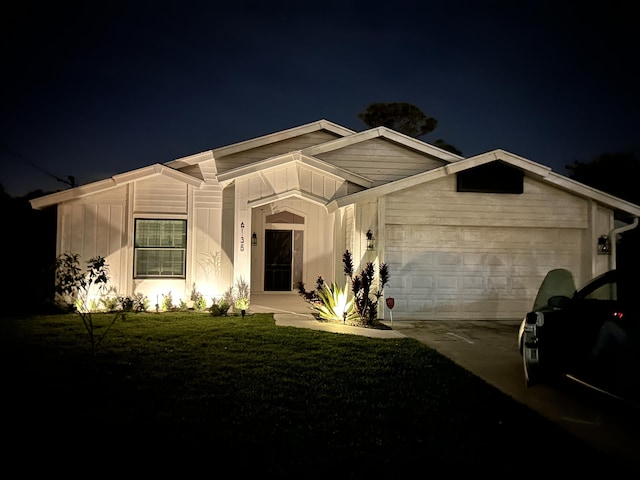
(187, 392)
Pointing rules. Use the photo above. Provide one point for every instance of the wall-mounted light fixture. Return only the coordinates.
(370, 240)
(604, 247)
(254, 239)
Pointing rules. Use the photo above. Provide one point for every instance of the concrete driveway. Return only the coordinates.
(488, 349)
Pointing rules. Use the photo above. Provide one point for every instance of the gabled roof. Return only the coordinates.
(113, 182)
(454, 164)
(261, 141)
(532, 169)
(386, 133)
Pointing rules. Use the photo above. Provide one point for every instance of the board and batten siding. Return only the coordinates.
(96, 226)
(477, 256)
(211, 265)
(382, 161)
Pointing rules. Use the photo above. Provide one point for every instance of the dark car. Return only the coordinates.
(590, 335)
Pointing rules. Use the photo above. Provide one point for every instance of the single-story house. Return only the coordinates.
(464, 238)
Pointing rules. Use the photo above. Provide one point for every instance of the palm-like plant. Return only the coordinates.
(333, 303)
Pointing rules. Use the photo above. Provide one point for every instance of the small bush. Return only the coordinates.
(167, 302)
(219, 307)
(199, 303)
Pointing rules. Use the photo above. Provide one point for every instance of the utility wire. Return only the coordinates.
(71, 180)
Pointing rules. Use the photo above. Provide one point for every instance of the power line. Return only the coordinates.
(71, 180)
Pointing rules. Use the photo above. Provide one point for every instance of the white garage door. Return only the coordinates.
(449, 272)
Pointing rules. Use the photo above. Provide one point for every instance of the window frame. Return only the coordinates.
(137, 248)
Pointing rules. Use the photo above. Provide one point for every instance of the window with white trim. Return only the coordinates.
(160, 248)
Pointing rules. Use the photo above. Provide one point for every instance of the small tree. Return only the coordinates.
(77, 289)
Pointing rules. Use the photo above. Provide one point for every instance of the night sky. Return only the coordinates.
(93, 89)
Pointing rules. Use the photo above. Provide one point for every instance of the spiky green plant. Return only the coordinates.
(366, 292)
(333, 302)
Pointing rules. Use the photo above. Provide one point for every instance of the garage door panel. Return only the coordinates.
(485, 273)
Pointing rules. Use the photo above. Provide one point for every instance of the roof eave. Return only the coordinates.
(383, 132)
(534, 169)
(113, 182)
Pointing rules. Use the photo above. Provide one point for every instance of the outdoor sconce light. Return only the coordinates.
(603, 245)
(254, 239)
(370, 240)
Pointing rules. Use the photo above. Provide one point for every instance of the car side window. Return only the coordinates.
(608, 291)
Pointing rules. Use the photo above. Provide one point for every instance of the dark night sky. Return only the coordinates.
(92, 89)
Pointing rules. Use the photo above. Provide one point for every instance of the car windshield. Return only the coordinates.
(557, 282)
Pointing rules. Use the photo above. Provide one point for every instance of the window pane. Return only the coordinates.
(152, 262)
(160, 248)
(161, 233)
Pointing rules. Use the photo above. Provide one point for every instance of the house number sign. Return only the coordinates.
(242, 237)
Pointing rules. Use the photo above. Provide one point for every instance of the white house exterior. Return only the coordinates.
(459, 243)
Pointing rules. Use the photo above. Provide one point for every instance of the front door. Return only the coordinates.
(282, 259)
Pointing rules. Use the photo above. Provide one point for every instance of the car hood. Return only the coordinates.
(557, 282)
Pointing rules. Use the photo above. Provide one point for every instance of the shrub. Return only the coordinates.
(219, 307)
(140, 302)
(199, 303)
(241, 295)
(167, 302)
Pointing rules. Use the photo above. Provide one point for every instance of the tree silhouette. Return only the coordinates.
(613, 173)
(404, 118)
(616, 174)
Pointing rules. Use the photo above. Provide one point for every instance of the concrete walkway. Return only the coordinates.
(306, 320)
(290, 310)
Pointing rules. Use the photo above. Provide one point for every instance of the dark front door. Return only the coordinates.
(277, 260)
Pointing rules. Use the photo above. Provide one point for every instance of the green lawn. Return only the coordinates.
(225, 394)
